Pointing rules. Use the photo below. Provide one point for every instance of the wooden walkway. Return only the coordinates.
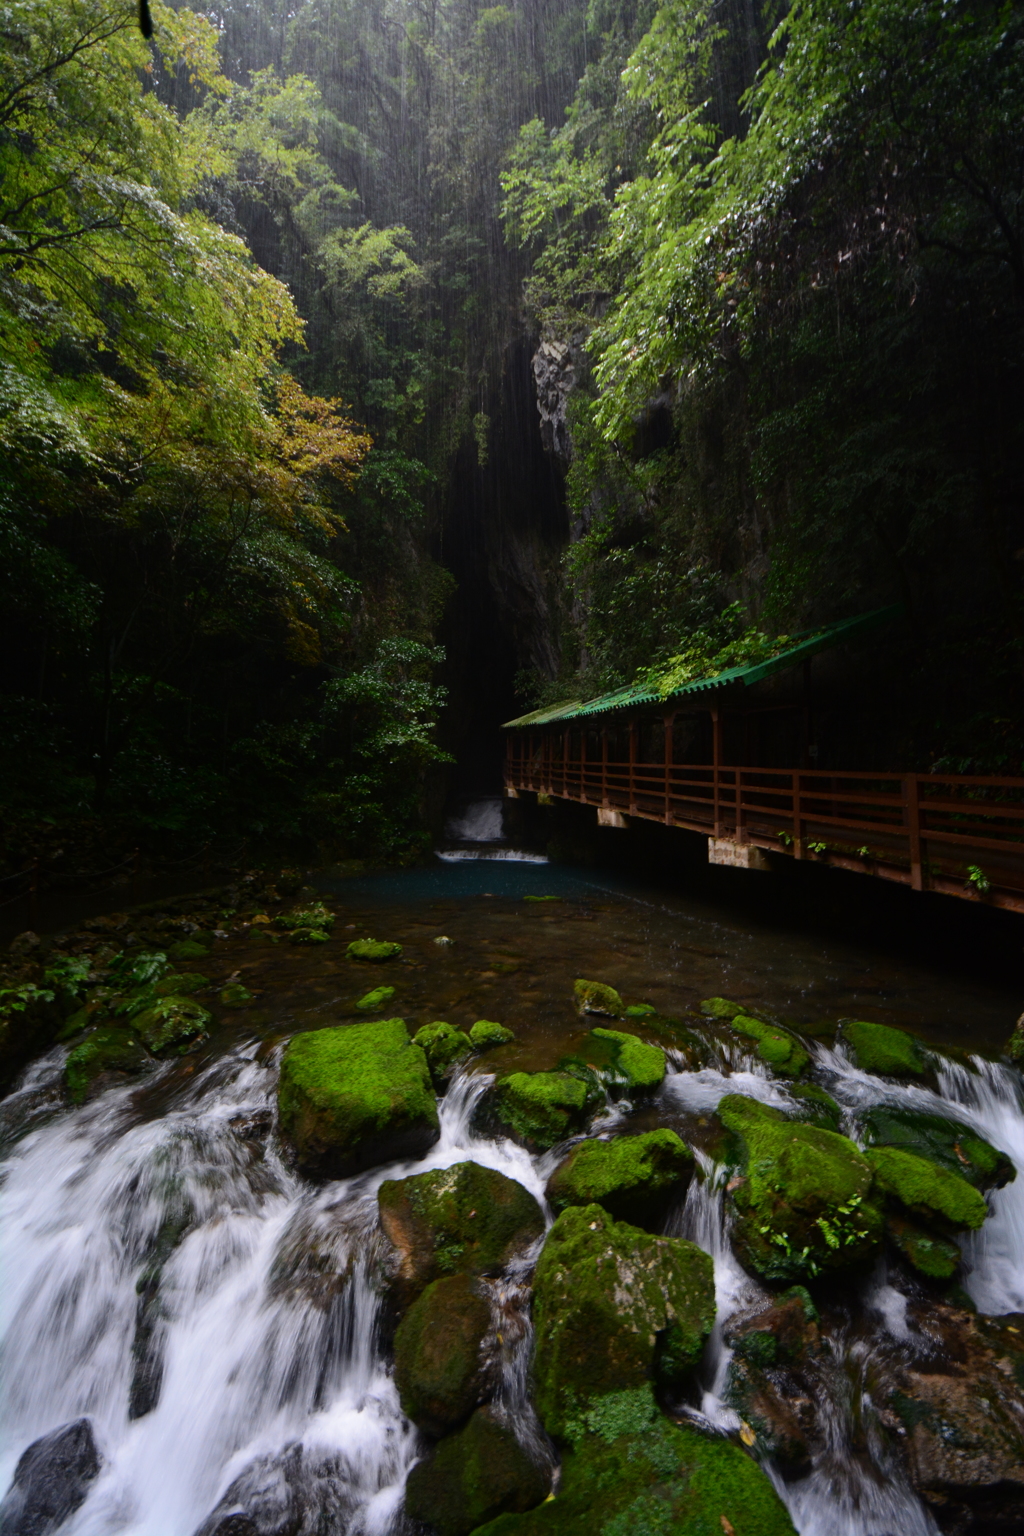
(959, 834)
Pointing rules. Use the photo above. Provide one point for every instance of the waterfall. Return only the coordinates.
(479, 822)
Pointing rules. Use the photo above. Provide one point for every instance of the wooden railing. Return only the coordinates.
(955, 833)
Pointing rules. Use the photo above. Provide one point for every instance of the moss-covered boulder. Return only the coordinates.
(776, 1047)
(947, 1142)
(440, 1371)
(356, 1096)
(536, 1109)
(927, 1190)
(377, 998)
(635, 1178)
(595, 997)
(465, 1219)
(720, 1008)
(189, 949)
(933, 1255)
(474, 1476)
(314, 917)
(614, 1308)
(445, 1046)
(802, 1195)
(486, 1034)
(373, 950)
(632, 1473)
(171, 1026)
(881, 1049)
(625, 1063)
(102, 1059)
(234, 995)
(179, 984)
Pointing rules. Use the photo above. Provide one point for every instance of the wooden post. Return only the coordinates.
(632, 765)
(669, 721)
(716, 761)
(604, 763)
(912, 819)
(798, 826)
(565, 760)
(583, 764)
(741, 820)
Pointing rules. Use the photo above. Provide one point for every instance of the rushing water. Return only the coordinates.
(167, 1273)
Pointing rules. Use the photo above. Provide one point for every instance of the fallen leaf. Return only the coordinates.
(746, 1433)
(728, 1527)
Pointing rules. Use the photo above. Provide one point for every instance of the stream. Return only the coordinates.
(167, 1273)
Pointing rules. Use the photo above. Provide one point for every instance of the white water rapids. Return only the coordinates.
(260, 1337)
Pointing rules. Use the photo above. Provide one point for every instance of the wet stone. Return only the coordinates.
(51, 1480)
(473, 1477)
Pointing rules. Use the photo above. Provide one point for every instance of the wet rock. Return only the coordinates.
(24, 946)
(465, 1219)
(631, 1471)
(373, 950)
(179, 984)
(801, 1194)
(554, 375)
(104, 1058)
(635, 1178)
(614, 1308)
(624, 1063)
(1015, 1044)
(234, 995)
(308, 924)
(445, 1046)
(485, 1034)
(315, 1255)
(769, 1383)
(947, 1142)
(776, 1047)
(927, 1252)
(883, 1050)
(353, 1097)
(720, 1008)
(189, 949)
(51, 1481)
(173, 1026)
(440, 1371)
(595, 997)
(536, 1109)
(474, 1476)
(926, 1190)
(375, 999)
(815, 1106)
(296, 1493)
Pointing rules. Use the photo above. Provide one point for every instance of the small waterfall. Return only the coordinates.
(480, 822)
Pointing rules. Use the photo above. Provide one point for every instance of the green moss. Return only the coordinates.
(634, 1065)
(542, 898)
(437, 1354)
(309, 936)
(634, 1178)
(444, 1045)
(640, 1011)
(371, 1001)
(947, 1142)
(474, 1476)
(315, 916)
(777, 1047)
(537, 1109)
(604, 1292)
(189, 949)
(141, 969)
(372, 949)
(180, 984)
(662, 1480)
(925, 1188)
(355, 1096)
(803, 1206)
(815, 1106)
(105, 1050)
(485, 1034)
(235, 995)
(880, 1048)
(720, 1008)
(1015, 1044)
(933, 1256)
(595, 997)
(465, 1218)
(173, 1025)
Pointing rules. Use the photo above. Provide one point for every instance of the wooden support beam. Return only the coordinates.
(633, 733)
(669, 722)
(912, 820)
(716, 761)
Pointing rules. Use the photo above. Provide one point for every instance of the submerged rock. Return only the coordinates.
(883, 1050)
(536, 1109)
(815, 1106)
(373, 949)
(933, 1255)
(595, 997)
(375, 999)
(474, 1476)
(445, 1047)
(179, 983)
(485, 1034)
(635, 1178)
(947, 1142)
(104, 1058)
(466, 1219)
(802, 1195)
(171, 1026)
(440, 1371)
(355, 1096)
(51, 1481)
(189, 949)
(720, 1008)
(776, 1047)
(614, 1308)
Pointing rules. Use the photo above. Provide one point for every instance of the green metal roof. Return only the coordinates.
(801, 650)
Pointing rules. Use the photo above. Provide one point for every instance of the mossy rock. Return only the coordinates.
(309, 936)
(464, 1219)
(314, 916)
(635, 1474)
(786, 1332)
(171, 1026)
(926, 1189)
(614, 1308)
(776, 1047)
(372, 950)
(439, 1372)
(473, 1477)
(105, 1051)
(180, 984)
(950, 1143)
(640, 1011)
(536, 1109)
(932, 1255)
(624, 1062)
(371, 1001)
(189, 949)
(141, 969)
(803, 1204)
(595, 997)
(815, 1106)
(634, 1178)
(445, 1047)
(486, 1034)
(881, 1049)
(353, 1097)
(235, 996)
(720, 1008)
(1015, 1044)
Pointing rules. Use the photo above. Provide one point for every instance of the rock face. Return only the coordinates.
(460, 1220)
(771, 1382)
(537, 1109)
(881, 1049)
(104, 1058)
(614, 1308)
(445, 1046)
(554, 375)
(440, 1372)
(51, 1480)
(357, 1096)
(635, 1178)
(474, 1476)
(802, 1195)
(632, 1473)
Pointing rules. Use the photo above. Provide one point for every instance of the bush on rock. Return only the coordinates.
(474, 1476)
(635, 1178)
